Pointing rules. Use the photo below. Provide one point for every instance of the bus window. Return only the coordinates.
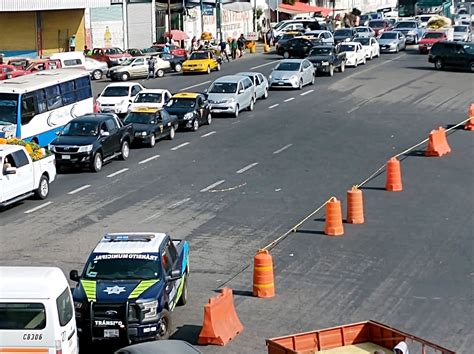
(83, 86)
(53, 97)
(28, 110)
(68, 92)
(8, 108)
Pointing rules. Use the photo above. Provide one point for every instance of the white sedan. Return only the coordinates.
(355, 54)
(365, 31)
(155, 98)
(371, 47)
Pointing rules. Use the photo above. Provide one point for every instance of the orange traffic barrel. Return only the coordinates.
(333, 226)
(263, 284)
(355, 206)
(393, 181)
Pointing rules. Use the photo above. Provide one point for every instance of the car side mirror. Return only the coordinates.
(241, 91)
(74, 275)
(10, 171)
(104, 134)
(175, 275)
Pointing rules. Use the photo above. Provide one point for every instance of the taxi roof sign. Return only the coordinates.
(185, 95)
(145, 109)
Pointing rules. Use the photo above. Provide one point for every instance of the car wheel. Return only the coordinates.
(97, 74)
(331, 70)
(208, 70)
(160, 73)
(218, 68)
(250, 108)
(313, 79)
(164, 326)
(397, 50)
(125, 76)
(177, 68)
(172, 133)
(43, 188)
(371, 56)
(265, 94)
(439, 64)
(300, 85)
(124, 150)
(416, 40)
(209, 119)
(183, 299)
(195, 125)
(355, 63)
(472, 66)
(97, 162)
(286, 55)
(342, 68)
(236, 113)
(364, 61)
(152, 141)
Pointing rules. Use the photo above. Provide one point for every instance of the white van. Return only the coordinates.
(36, 311)
(70, 59)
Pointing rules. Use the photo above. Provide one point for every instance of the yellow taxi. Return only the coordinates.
(201, 61)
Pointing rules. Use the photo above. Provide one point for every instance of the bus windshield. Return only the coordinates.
(8, 108)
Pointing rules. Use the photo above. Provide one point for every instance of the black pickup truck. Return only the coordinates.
(91, 140)
(326, 58)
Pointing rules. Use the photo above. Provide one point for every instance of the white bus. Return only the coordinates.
(34, 107)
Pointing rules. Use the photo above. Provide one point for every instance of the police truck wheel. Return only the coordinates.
(43, 188)
(164, 326)
(125, 76)
(160, 73)
(177, 68)
(152, 141)
(97, 74)
(97, 162)
(124, 150)
(171, 134)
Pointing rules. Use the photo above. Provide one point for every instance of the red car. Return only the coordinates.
(112, 56)
(174, 49)
(10, 71)
(43, 64)
(430, 38)
(380, 26)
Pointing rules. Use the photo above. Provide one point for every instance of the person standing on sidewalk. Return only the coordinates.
(233, 48)
(72, 43)
(151, 68)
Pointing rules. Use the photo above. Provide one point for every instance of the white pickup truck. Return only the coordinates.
(21, 177)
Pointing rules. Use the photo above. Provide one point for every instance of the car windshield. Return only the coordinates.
(388, 35)
(347, 48)
(139, 117)
(286, 37)
(149, 50)
(433, 35)
(363, 41)
(115, 91)
(342, 32)
(288, 67)
(123, 266)
(114, 51)
(127, 61)
(376, 24)
(460, 28)
(181, 103)
(405, 25)
(8, 108)
(425, 18)
(223, 87)
(320, 51)
(148, 97)
(362, 29)
(199, 56)
(469, 48)
(81, 128)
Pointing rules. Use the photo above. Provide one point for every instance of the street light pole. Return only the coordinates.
(169, 18)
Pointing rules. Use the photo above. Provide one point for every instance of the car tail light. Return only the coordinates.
(59, 349)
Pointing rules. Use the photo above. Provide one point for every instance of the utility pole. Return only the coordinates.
(255, 15)
(169, 18)
(218, 20)
(201, 7)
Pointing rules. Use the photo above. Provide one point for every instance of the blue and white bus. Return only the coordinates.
(34, 107)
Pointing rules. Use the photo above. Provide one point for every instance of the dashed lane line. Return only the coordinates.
(197, 85)
(77, 190)
(208, 134)
(306, 93)
(262, 65)
(282, 149)
(177, 204)
(180, 146)
(248, 167)
(212, 186)
(117, 173)
(38, 207)
(148, 159)
(289, 99)
(274, 105)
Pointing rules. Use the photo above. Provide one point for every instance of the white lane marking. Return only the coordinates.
(212, 185)
(236, 122)
(38, 207)
(248, 167)
(197, 85)
(306, 93)
(177, 204)
(179, 146)
(289, 99)
(77, 190)
(353, 109)
(274, 105)
(159, 213)
(262, 65)
(208, 134)
(148, 159)
(282, 149)
(118, 172)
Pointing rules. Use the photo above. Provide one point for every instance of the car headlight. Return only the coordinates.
(293, 78)
(140, 133)
(85, 148)
(412, 32)
(122, 102)
(200, 65)
(149, 310)
(270, 77)
(188, 115)
(52, 148)
(231, 100)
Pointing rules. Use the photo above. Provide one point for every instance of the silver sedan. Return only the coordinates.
(392, 41)
(293, 73)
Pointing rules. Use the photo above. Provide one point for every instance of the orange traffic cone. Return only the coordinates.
(437, 144)
(470, 114)
(394, 176)
(263, 285)
(333, 225)
(355, 206)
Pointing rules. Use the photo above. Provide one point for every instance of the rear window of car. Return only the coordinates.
(22, 316)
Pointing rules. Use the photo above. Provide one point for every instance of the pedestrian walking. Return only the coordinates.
(151, 67)
(72, 43)
(233, 48)
(223, 46)
(241, 44)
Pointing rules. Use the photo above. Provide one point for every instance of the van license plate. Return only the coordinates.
(65, 157)
(111, 333)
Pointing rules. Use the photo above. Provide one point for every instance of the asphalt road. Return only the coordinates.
(409, 265)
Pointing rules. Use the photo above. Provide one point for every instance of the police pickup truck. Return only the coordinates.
(129, 286)
(326, 59)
